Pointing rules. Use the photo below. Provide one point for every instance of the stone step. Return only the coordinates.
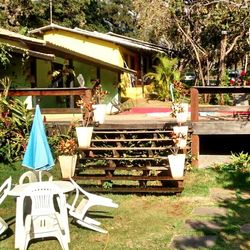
(203, 225)
(210, 211)
(186, 242)
(245, 228)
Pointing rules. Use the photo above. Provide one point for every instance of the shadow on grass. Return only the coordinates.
(234, 179)
(218, 232)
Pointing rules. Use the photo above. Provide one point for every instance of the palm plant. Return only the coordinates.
(165, 74)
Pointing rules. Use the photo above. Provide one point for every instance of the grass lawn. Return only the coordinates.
(147, 222)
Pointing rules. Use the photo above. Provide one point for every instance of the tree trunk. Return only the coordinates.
(222, 66)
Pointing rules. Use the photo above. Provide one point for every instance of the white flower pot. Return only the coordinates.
(67, 165)
(176, 164)
(84, 136)
(183, 130)
(181, 117)
(99, 112)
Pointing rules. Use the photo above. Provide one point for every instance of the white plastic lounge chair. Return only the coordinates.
(81, 204)
(44, 220)
(28, 176)
(4, 190)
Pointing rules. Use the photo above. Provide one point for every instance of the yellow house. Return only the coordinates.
(110, 48)
(113, 59)
(32, 60)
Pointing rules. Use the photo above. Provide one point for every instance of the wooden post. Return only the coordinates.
(194, 105)
(195, 148)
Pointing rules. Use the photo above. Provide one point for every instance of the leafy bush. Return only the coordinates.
(235, 174)
(239, 163)
(165, 73)
(15, 124)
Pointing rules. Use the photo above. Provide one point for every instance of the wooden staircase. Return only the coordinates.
(128, 161)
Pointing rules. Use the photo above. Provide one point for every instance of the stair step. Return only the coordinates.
(128, 168)
(139, 158)
(126, 177)
(125, 148)
(132, 140)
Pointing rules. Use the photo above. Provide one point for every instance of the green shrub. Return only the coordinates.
(235, 174)
(15, 124)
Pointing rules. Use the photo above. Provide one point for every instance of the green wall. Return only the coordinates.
(108, 78)
(88, 72)
(43, 81)
(109, 81)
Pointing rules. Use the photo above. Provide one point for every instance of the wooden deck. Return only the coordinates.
(128, 160)
(117, 131)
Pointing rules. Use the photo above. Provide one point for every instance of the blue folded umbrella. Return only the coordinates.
(38, 155)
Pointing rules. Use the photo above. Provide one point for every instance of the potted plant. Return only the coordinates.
(176, 159)
(84, 133)
(181, 133)
(99, 107)
(180, 111)
(67, 156)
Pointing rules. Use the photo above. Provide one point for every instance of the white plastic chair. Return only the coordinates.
(4, 190)
(80, 206)
(44, 220)
(28, 176)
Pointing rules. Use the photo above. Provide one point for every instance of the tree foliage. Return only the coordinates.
(116, 15)
(165, 73)
(196, 29)
(192, 27)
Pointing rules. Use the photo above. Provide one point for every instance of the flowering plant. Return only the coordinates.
(179, 141)
(177, 107)
(99, 94)
(86, 111)
(67, 147)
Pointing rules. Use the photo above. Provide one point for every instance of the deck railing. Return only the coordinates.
(80, 91)
(84, 92)
(195, 91)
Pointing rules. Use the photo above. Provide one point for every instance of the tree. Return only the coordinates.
(196, 29)
(116, 16)
(165, 74)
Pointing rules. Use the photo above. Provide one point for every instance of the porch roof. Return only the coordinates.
(109, 37)
(32, 53)
(23, 44)
(21, 38)
(66, 52)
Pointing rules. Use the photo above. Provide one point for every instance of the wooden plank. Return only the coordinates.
(132, 189)
(221, 128)
(195, 149)
(126, 158)
(127, 168)
(124, 148)
(222, 89)
(135, 124)
(127, 131)
(194, 105)
(126, 177)
(60, 111)
(223, 108)
(132, 140)
(48, 91)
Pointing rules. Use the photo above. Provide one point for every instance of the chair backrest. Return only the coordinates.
(42, 197)
(28, 176)
(4, 189)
